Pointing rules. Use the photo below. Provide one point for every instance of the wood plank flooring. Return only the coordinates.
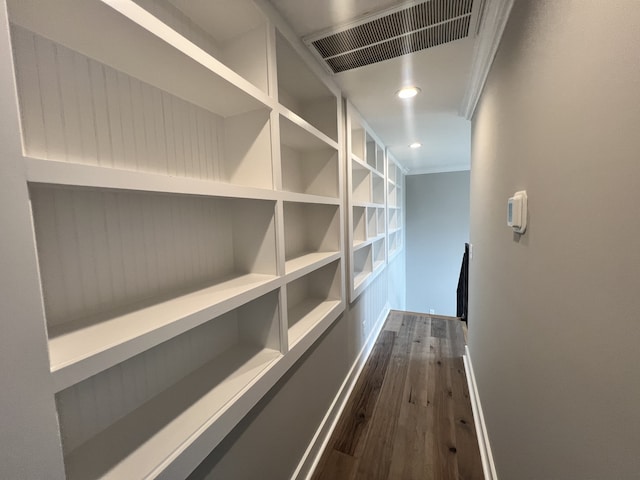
(409, 415)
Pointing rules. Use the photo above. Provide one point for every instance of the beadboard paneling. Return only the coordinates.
(78, 110)
(101, 250)
(92, 405)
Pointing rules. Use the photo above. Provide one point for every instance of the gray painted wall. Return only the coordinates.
(555, 314)
(437, 229)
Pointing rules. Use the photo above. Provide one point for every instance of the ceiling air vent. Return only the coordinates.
(404, 31)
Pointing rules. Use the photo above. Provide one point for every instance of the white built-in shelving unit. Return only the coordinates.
(395, 207)
(367, 203)
(184, 163)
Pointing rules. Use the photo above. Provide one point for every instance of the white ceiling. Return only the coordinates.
(441, 72)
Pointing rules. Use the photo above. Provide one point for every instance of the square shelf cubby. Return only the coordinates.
(311, 298)
(311, 234)
(309, 164)
(362, 265)
(357, 139)
(379, 159)
(378, 189)
(379, 253)
(370, 150)
(359, 225)
(360, 183)
(372, 222)
(380, 221)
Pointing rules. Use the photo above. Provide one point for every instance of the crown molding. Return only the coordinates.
(494, 16)
(442, 169)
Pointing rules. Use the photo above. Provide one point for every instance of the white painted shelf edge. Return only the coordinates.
(367, 204)
(362, 280)
(358, 243)
(359, 278)
(76, 174)
(70, 24)
(302, 123)
(306, 315)
(363, 243)
(300, 266)
(308, 198)
(365, 166)
(146, 20)
(77, 355)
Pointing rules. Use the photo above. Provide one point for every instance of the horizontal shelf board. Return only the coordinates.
(361, 244)
(378, 237)
(81, 353)
(369, 241)
(306, 198)
(304, 316)
(362, 280)
(394, 230)
(299, 266)
(65, 173)
(359, 160)
(367, 204)
(302, 136)
(301, 122)
(138, 445)
(359, 278)
(378, 264)
(358, 163)
(378, 173)
(144, 48)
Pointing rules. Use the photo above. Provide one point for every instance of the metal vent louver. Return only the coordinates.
(405, 31)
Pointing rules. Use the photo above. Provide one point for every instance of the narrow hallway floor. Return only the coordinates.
(409, 415)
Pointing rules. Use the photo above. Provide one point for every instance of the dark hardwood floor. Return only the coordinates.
(409, 415)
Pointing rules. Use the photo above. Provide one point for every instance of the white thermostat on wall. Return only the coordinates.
(517, 212)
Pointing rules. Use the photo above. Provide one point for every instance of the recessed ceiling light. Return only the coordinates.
(415, 145)
(408, 92)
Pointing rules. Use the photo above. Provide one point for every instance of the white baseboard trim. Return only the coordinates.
(488, 466)
(312, 454)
